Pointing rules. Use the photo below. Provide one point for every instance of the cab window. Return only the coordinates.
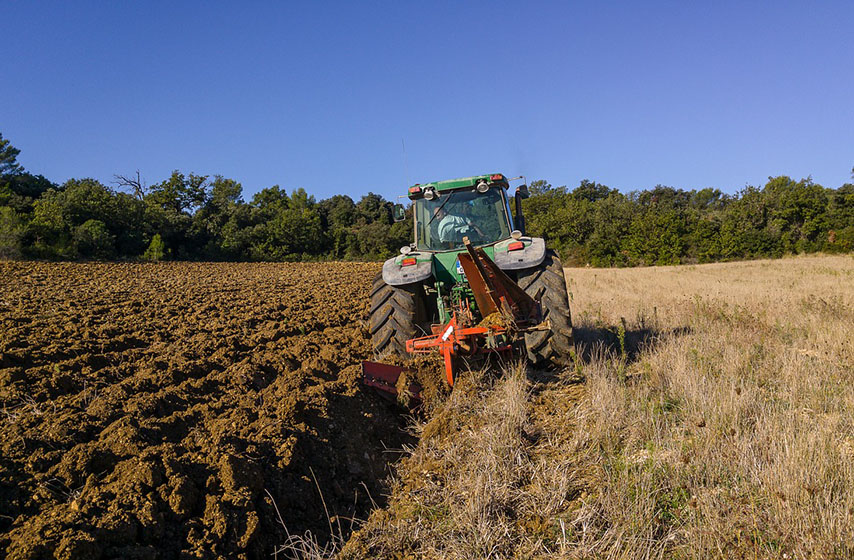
(442, 223)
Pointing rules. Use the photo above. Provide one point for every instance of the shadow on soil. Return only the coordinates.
(588, 340)
(348, 467)
(592, 342)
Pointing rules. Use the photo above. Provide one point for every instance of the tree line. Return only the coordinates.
(596, 225)
(185, 217)
(198, 217)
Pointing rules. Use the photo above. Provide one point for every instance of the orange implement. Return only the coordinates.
(452, 340)
(384, 377)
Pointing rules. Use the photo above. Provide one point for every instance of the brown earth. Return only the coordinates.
(177, 410)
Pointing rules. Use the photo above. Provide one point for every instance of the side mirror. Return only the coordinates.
(521, 193)
(398, 213)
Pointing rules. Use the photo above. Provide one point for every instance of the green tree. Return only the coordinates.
(542, 210)
(840, 220)
(544, 213)
(592, 191)
(338, 215)
(156, 249)
(373, 208)
(11, 233)
(58, 213)
(746, 231)
(49, 232)
(179, 193)
(85, 199)
(237, 233)
(658, 228)
(169, 209)
(796, 212)
(612, 218)
(592, 223)
(21, 190)
(210, 220)
(655, 237)
(286, 227)
(127, 224)
(9, 158)
(93, 240)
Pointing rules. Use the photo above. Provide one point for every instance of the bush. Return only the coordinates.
(92, 240)
(156, 249)
(11, 231)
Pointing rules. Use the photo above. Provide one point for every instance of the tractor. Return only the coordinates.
(471, 284)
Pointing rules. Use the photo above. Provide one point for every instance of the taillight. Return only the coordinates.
(408, 261)
(515, 246)
(496, 177)
(414, 190)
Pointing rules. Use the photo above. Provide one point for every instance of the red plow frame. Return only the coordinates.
(507, 310)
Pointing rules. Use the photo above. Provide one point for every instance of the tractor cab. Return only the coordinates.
(444, 214)
(447, 212)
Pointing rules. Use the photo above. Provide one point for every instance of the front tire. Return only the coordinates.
(396, 315)
(556, 345)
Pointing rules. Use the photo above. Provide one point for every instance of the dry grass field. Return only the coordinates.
(710, 414)
(730, 431)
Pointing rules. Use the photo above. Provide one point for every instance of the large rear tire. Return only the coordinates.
(554, 345)
(396, 315)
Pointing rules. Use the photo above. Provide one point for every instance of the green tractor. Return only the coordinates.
(471, 282)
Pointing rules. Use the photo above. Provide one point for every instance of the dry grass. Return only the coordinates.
(726, 429)
(460, 492)
(495, 474)
(717, 420)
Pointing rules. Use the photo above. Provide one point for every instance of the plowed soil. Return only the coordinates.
(178, 410)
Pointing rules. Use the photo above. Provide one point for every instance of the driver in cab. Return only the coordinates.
(452, 227)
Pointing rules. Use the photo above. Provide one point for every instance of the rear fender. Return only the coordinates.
(532, 255)
(395, 274)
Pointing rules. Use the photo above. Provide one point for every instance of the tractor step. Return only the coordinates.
(384, 378)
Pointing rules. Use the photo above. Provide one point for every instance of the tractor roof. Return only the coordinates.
(452, 184)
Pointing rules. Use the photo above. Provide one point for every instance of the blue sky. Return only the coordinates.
(320, 95)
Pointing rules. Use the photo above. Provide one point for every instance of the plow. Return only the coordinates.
(471, 285)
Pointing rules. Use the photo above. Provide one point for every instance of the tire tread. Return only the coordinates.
(555, 345)
(395, 313)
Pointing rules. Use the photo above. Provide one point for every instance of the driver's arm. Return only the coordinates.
(447, 230)
(472, 225)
